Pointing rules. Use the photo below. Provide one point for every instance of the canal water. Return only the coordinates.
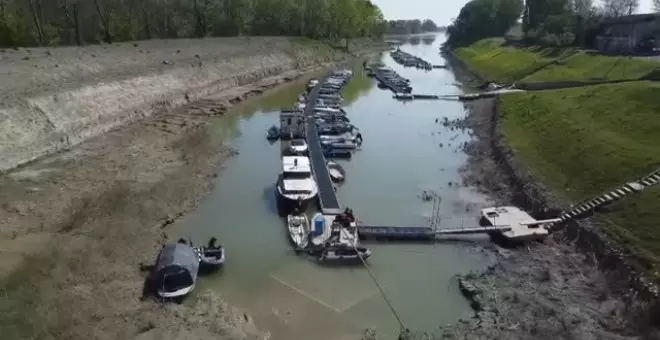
(405, 152)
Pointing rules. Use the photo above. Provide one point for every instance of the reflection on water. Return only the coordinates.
(292, 296)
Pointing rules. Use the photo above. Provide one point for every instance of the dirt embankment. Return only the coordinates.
(75, 226)
(52, 99)
(573, 286)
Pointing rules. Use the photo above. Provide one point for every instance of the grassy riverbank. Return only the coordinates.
(582, 141)
(494, 60)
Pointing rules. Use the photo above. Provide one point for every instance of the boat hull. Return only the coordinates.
(286, 205)
(298, 231)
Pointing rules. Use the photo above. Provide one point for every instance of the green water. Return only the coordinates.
(295, 298)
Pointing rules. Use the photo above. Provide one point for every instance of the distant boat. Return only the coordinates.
(298, 230)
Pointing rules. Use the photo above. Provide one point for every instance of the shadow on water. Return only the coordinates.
(270, 200)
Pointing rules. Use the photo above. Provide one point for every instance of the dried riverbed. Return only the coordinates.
(77, 227)
(549, 290)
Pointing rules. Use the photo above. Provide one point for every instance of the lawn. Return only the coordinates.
(497, 62)
(582, 141)
(582, 66)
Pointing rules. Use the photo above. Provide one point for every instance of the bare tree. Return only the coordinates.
(71, 10)
(35, 10)
(583, 7)
(105, 20)
(200, 7)
(656, 5)
(143, 4)
(617, 8)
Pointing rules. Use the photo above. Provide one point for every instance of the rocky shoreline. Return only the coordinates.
(574, 285)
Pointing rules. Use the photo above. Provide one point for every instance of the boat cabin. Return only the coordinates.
(297, 175)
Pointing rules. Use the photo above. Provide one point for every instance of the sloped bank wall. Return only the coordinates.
(95, 89)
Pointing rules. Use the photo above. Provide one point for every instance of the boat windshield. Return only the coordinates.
(297, 142)
(175, 278)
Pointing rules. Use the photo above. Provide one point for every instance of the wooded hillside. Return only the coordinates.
(70, 22)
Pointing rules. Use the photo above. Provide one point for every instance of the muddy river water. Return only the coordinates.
(405, 152)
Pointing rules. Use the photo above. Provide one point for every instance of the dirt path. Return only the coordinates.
(76, 228)
(546, 290)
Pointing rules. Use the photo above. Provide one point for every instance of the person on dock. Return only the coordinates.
(348, 213)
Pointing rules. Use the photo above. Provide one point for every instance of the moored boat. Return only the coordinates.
(212, 256)
(175, 272)
(296, 185)
(273, 133)
(337, 252)
(336, 171)
(298, 230)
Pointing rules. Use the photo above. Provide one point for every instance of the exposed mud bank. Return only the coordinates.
(55, 98)
(575, 285)
(77, 226)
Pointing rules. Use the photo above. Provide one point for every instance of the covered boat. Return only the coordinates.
(176, 270)
(298, 230)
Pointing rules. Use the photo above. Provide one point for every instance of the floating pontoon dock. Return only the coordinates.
(327, 197)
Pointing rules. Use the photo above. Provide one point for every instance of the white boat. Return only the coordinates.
(298, 147)
(298, 230)
(336, 171)
(296, 185)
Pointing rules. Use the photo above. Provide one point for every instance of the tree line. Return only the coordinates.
(411, 26)
(79, 22)
(546, 22)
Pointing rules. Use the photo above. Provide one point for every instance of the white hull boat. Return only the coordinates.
(336, 171)
(298, 230)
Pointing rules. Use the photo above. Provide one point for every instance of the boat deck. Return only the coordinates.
(327, 196)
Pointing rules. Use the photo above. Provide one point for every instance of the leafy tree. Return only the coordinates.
(411, 26)
(480, 19)
(53, 22)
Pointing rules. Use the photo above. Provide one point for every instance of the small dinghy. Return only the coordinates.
(298, 230)
(346, 145)
(337, 253)
(211, 257)
(273, 133)
(336, 171)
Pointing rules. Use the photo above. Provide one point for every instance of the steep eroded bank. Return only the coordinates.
(575, 285)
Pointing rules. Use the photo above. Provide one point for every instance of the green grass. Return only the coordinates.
(582, 141)
(496, 62)
(502, 63)
(582, 66)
